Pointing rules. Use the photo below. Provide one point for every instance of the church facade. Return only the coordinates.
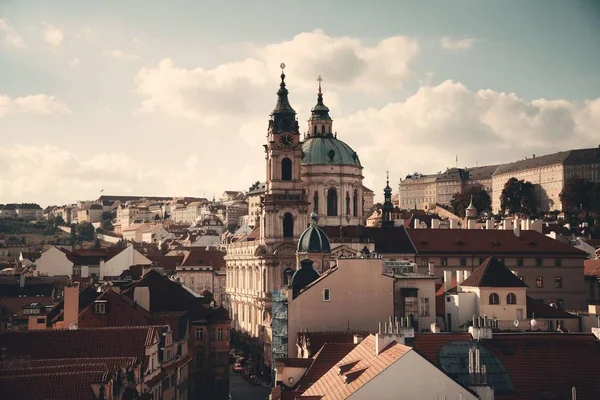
(313, 173)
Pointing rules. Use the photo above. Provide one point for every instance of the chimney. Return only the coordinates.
(389, 332)
(417, 223)
(358, 339)
(22, 278)
(489, 224)
(459, 279)
(481, 328)
(71, 307)
(447, 280)
(435, 328)
(517, 228)
(435, 223)
(507, 224)
(453, 223)
(141, 295)
(431, 266)
(466, 274)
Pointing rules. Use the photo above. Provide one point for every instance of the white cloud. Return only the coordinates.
(456, 44)
(11, 37)
(75, 62)
(39, 104)
(426, 131)
(120, 55)
(345, 63)
(52, 35)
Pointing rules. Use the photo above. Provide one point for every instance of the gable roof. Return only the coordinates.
(204, 258)
(120, 311)
(493, 273)
(483, 242)
(363, 364)
(34, 286)
(75, 384)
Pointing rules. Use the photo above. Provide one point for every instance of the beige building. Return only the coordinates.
(375, 291)
(253, 196)
(129, 214)
(90, 213)
(548, 174)
(29, 211)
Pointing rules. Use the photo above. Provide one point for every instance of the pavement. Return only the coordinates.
(240, 389)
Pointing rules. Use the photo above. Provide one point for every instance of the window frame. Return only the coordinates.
(539, 282)
(326, 294)
(511, 299)
(558, 282)
(494, 299)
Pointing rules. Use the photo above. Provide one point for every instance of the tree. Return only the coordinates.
(518, 196)
(577, 194)
(481, 200)
(85, 231)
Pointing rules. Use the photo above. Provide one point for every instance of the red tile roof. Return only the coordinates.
(120, 311)
(54, 369)
(591, 268)
(326, 358)
(364, 365)
(169, 263)
(429, 344)
(112, 363)
(204, 258)
(95, 342)
(74, 385)
(480, 241)
(493, 273)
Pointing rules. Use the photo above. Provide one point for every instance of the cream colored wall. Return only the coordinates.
(289, 372)
(505, 313)
(426, 290)
(54, 262)
(360, 297)
(415, 378)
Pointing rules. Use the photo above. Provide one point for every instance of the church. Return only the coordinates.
(312, 176)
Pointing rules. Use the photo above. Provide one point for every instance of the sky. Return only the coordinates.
(162, 98)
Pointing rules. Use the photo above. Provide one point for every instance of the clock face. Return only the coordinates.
(286, 140)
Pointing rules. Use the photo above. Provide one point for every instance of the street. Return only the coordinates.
(240, 389)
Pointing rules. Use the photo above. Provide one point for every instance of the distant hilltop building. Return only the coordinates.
(548, 174)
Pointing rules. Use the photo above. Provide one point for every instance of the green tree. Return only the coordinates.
(577, 194)
(518, 196)
(481, 200)
(85, 232)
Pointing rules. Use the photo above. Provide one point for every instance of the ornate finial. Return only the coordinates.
(319, 79)
(282, 66)
(387, 177)
(314, 219)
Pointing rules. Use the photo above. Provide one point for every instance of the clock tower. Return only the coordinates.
(285, 203)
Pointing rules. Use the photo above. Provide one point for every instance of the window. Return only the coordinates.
(539, 282)
(520, 262)
(288, 225)
(355, 203)
(326, 295)
(173, 380)
(286, 169)
(558, 262)
(166, 383)
(41, 320)
(99, 307)
(316, 202)
(463, 261)
(332, 203)
(425, 262)
(200, 334)
(494, 298)
(539, 262)
(511, 298)
(558, 282)
(444, 262)
(424, 307)
(220, 334)
(347, 203)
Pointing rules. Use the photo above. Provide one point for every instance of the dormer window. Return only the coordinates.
(100, 307)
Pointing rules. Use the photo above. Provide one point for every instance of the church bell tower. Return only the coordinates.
(285, 204)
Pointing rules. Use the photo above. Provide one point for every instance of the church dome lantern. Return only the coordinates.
(314, 239)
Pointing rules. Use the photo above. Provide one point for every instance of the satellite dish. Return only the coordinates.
(516, 323)
(533, 323)
(291, 380)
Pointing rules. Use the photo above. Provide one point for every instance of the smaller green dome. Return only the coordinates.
(303, 276)
(323, 150)
(314, 239)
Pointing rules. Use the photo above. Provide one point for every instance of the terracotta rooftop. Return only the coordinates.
(591, 268)
(493, 273)
(483, 242)
(363, 365)
(120, 311)
(316, 340)
(169, 263)
(92, 343)
(52, 385)
(204, 258)
(112, 363)
(326, 358)
(54, 369)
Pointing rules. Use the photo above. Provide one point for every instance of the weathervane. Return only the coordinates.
(319, 79)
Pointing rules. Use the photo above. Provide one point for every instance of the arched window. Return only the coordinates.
(347, 203)
(315, 129)
(264, 280)
(494, 298)
(332, 203)
(286, 169)
(511, 298)
(355, 203)
(288, 225)
(323, 129)
(316, 202)
(287, 276)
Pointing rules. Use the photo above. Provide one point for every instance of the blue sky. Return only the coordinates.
(157, 97)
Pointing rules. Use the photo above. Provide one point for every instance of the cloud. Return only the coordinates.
(120, 55)
(457, 44)
(39, 104)
(75, 62)
(426, 131)
(52, 35)
(11, 37)
(345, 63)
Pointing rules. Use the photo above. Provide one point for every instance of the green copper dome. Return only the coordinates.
(314, 239)
(328, 150)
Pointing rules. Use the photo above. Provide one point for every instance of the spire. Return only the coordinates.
(387, 220)
(320, 110)
(283, 104)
